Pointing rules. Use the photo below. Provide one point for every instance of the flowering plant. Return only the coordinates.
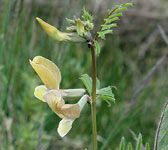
(78, 31)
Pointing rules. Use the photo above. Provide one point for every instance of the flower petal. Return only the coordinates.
(50, 65)
(55, 102)
(82, 102)
(64, 126)
(55, 34)
(71, 111)
(47, 71)
(40, 91)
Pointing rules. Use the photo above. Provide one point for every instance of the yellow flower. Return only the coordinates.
(50, 93)
(55, 34)
(66, 124)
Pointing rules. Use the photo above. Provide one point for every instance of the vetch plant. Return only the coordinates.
(79, 30)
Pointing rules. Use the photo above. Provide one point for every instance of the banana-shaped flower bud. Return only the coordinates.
(55, 34)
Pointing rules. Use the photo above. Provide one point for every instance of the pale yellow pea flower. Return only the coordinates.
(55, 34)
(50, 75)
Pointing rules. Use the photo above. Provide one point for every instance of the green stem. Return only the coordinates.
(92, 47)
(93, 106)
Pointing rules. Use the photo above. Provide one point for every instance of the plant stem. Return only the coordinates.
(93, 106)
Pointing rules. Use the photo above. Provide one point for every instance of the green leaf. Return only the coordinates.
(108, 103)
(109, 11)
(87, 81)
(97, 84)
(147, 146)
(139, 142)
(126, 5)
(86, 15)
(129, 146)
(97, 47)
(122, 144)
(112, 25)
(111, 20)
(106, 98)
(106, 27)
(101, 35)
(121, 9)
(116, 15)
(117, 6)
(107, 31)
(162, 132)
(106, 93)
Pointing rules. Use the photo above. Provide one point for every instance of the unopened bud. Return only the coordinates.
(71, 28)
(55, 34)
(72, 22)
(80, 28)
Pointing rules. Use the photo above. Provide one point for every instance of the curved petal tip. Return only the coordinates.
(40, 91)
(64, 126)
(37, 18)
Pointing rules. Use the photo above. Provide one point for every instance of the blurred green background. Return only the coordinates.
(126, 57)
